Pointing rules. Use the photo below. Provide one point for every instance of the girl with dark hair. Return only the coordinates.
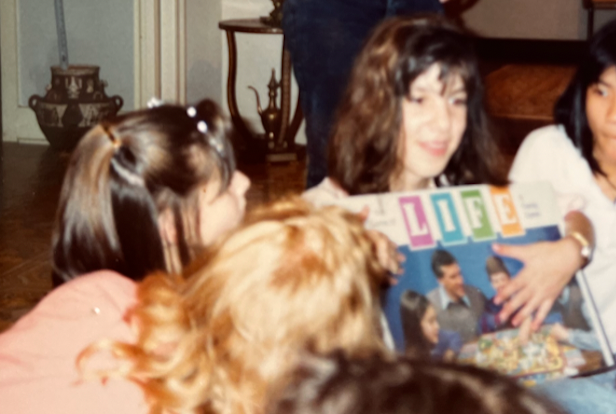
(145, 191)
(578, 157)
(324, 38)
(412, 116)
(422, 334)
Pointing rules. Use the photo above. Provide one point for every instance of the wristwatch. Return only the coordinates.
(586, 250)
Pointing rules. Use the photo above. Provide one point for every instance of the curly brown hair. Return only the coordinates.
(364, 148)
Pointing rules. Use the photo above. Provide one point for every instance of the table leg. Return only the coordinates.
(237, 120)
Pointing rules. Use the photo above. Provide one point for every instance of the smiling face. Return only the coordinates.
(601, 114)
(452, 281)
(429, 325)
(498, 280)
(433, 122)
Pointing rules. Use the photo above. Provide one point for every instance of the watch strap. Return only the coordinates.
(586, 250)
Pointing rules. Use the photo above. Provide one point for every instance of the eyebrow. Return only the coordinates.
(460, 89)
(603, 82)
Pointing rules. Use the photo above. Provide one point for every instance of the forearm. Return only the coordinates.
(577, 222)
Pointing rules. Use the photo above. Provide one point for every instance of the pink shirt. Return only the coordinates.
(38, 372)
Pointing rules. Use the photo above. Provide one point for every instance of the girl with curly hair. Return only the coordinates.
(293, 279)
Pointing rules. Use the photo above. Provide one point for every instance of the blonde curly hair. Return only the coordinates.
(292, 279)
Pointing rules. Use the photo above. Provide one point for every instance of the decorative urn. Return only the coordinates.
(75, 101)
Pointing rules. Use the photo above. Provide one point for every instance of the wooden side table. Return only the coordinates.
(282, 147)
(591, 6)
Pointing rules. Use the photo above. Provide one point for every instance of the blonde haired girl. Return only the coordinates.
(292, 279)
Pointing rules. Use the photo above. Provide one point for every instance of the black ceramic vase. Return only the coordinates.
(75, 101)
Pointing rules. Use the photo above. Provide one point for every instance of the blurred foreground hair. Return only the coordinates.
(339, 385)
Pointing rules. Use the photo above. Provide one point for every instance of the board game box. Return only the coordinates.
(443, 304)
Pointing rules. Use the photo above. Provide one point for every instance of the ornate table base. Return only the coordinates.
(277, 145)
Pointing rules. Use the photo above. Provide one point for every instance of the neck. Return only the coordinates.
(607, 182)
(405, 182)
(610, 171)
(452, 297)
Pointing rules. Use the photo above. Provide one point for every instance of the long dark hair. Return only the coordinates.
(123, 174)
(363, 152)
(570, 110)
(413, 307)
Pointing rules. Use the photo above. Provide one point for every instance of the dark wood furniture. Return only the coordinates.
(591, 6)
(283, 146)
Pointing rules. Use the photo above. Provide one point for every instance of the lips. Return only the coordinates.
(434, 148)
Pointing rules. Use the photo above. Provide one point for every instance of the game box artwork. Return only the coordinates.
(443, 304)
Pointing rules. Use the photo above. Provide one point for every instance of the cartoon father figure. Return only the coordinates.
(458, 306)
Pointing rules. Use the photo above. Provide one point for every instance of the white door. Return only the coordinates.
(140, 48)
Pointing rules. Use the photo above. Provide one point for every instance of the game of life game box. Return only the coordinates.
(443, 304)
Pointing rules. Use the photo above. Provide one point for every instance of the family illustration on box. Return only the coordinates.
(455, 313)
(444, 306)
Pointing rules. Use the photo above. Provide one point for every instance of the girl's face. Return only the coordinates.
(498, 280)
(601, 114)
(433, 122)
(430, 326)
(220, 213)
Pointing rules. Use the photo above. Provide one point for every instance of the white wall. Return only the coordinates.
(99, 32)
(203, 50)
(532, 19)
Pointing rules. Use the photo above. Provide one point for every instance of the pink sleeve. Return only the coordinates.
(38, 354)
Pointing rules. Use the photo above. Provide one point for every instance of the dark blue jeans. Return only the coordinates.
(324, 37)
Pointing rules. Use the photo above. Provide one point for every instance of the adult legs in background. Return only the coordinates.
(324, 37)
(403, 7)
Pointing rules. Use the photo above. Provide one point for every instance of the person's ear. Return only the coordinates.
(166, 227)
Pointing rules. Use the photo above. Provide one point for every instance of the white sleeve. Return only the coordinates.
(547, 155)
(532, 156)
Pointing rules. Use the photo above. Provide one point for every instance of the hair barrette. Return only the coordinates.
(202, 127)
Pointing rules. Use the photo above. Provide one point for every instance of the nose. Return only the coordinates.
(240, 183)
(441, 116)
